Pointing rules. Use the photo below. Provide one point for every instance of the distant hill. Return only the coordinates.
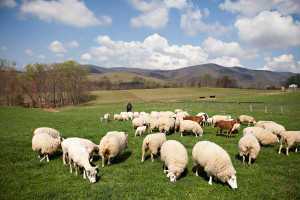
(245, 77)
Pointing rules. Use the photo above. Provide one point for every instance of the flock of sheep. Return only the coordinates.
(208, 155)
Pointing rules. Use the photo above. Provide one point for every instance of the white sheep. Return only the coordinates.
(235, 127)
(50, 131)
(247, 118)
(153, 142)
(217, 118)
(136, 114)
(177, 124)
(204, 117)
(45, 145)
(215, 161)
(175, 158)
(118, 117)
(137, 122)
(177, 111)
(89, 145)
(141, 130)
(166, 124)
(248, 144)
(190, 126)
(152, 124)
(208, 122)
(264, 136)
(289, 138)
(275, 128)
(79, 155)
(106, 117)
(112, 144)
(261, 123)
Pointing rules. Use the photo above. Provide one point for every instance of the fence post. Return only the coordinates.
(250, 107)
(281, 111)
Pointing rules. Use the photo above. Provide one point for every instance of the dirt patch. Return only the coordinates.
(50, 110)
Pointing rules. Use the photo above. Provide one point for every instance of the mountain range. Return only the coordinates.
(246, 78)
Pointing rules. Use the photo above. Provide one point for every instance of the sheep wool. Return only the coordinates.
(175, 158)
(215, 161)
(246, 118)
(248, 145)
(190, 126)
(261, 123)
(275, 128)
(50, 131)
(264, 136)
(45, 145)
(289, 138)
(153, 142)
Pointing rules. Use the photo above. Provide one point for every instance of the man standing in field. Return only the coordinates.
(128, 107)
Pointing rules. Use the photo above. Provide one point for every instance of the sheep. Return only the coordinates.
(118, 117)
(204, 117)
(175, 158)
(228, 125)
(215, 161)
(45, 144)
(177, 124)
(112, 144)
(246, 118)
(208, 121)
(136, 114)
(106, 117)
(140, 130)
(195, 119)
(137, 122)
(80, 157)
(89, 145)
(177, 111)
(248, 144)
(152, 142)
(235, 128)
(264, 136)
(217, 118)
(190, 126)
(261, 123)
(275, 128)
(166, 124)
(152, 124)
(289, 138)
(50, 131)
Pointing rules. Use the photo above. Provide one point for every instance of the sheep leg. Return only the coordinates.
(249, 163)
(165, 169)
(143, 157)
(47, 157)
(75, 167)
(243, 159)
(296, 148)
(64, 158)
(181, 134)
(70, 163)
(135, 133)
(92, 156)
(280, 149)
(197, 170)
(210, 180)
(84, 176)
(43, 158)
(108, 162)
(287, 150)
(102, 161)
(152, 157)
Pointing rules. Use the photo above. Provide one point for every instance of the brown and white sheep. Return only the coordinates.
(227, 125)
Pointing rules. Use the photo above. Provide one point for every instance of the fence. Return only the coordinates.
(204, 104)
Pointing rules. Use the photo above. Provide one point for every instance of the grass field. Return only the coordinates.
(23, 176)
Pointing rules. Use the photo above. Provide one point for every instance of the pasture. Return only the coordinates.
(23, 176)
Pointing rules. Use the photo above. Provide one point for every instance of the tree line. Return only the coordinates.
(43, 85)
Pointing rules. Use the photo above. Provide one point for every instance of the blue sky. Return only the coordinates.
(153, 34)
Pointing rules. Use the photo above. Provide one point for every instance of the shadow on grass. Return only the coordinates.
(121, 158)
(149, 157)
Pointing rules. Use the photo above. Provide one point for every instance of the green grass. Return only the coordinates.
(23, 176)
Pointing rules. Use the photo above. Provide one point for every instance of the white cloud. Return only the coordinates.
(73, 44)
(30, 53)
(3, 48)
(191, 22)
(70, 12)
(253, 7)
(153, 53)
(8, 3)
(284, 63)
(269, 30)
(58, 48)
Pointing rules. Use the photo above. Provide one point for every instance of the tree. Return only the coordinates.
(206, 79)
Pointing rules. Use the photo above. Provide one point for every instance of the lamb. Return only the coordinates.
(80, 156)
(217, 118)
(248, 144)
(246, 118)
(215, 161)
(175, 158)
(228, 125)
(137, 122)
(275, 128)
(152, 142)
(289, 138)
(112, 144)
(140, 130)
(208, 121)
(89, 145)
(190, 126)
(45, 144)
(106, 117)
(264, 136)
(261, 123)
(50, 131)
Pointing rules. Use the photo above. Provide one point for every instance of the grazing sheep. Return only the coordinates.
(136, 115)
(235, 128)
(215, 161)
(246, 118)
(264, 136)
(140, 130)
(175, 158)
(177, 124)
(50, 131)
(118, 117)
(80, 156)
(228, 125)
(106, 117)
(248, 144)
(45, 145)
(217, 118)
(275, 128)
(89, 145)
(177, 111)
(204, 117)
(261, 123)
(137, 122)
(153, 142)
(152, 124)
(289, 138)
(190, 126)
(208, 122)
(166, 124)
(112, 143)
